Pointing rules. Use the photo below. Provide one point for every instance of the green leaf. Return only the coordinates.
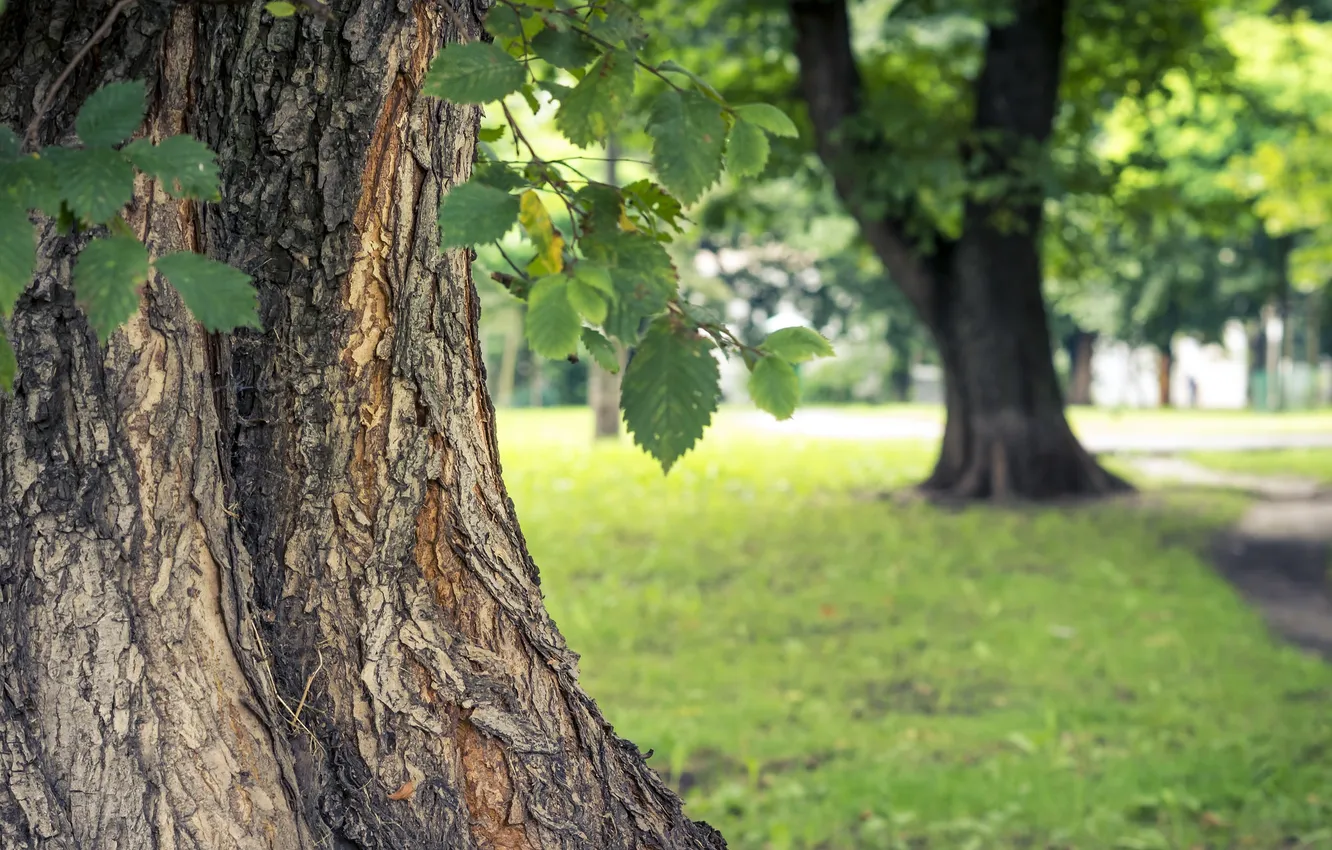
(595, 105)
(475, 72)
(183, 163)
(280, 9)
(32, 181)
(688, 135)
(497, 175)
(747, 150)
(553, 326)
(490, 134)
(18, 252)
(602, 350)
(8, 363)
(774, 387)
(111, 114)
(568, 50)
(643, 274)
(10, 144)
(503, 21)
(589, 303)
(107, 278)
(653, 199)
(620, 24)
(797, 345)
(96, 182)
(670, 392)
(671, 65)
(220, 297)
(474, 213)
(595, 276)
(768, 117)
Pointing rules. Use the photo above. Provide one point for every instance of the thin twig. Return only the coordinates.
(457, 21)
(35, 127)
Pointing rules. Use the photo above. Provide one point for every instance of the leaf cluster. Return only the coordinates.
(611, 277)
(86, 188)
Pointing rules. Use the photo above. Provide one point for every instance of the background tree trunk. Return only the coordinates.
(268, 591)
(980, 295)
(603, 391)
(1081, 349)
(1165, 371)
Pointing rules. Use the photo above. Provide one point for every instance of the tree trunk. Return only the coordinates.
(980, 295)
(536, 379)
(267, 590)
(1165, 370)
(1080, 374)
(513, 343)
(603, 391)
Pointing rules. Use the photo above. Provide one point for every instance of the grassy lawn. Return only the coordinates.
(1305, 463)
(819, 667)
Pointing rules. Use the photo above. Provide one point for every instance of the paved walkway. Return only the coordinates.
(1279, 555)
(834, 425)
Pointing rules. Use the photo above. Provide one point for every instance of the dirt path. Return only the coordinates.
(1279, 555)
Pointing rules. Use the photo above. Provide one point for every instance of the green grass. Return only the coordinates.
(820, 667)
(1304, 463)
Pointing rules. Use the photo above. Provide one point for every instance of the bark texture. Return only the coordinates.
(980, 294)
(268, 591)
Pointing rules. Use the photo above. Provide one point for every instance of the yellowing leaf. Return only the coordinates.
(536, 221)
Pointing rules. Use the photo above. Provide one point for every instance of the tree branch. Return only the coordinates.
(100, 33)
(831, 85)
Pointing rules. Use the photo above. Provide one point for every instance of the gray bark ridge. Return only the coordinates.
(268, 590)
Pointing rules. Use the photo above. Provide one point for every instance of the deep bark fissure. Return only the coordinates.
(980, 294)
(268, 590)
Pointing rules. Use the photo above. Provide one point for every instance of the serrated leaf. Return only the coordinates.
(655, 200)
(670, 392)
(596, 104)
(797, 345)
(704, 85)
(768, 117)
(643, 274)
(502, 21)
(595, 276)
(567, 49)
(31, 181)
(490, 134)
(280, 9)
(8, 362)
(620, 24)
(185, 165)
(219, 296)
(774, 387)
(107, 278)
(539, 227)
(589, 303)
(111, 114)
(10, 144)
(18, 252)
(688, 136)
(553, 326)
(474, 214)
(476, 72)
(602, 350)
(747, 150)
(96, 183)
(499, 176)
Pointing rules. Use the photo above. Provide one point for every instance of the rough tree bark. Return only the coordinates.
(980, 295)
(267, 591)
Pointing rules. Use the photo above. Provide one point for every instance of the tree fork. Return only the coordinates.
(268, 590)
